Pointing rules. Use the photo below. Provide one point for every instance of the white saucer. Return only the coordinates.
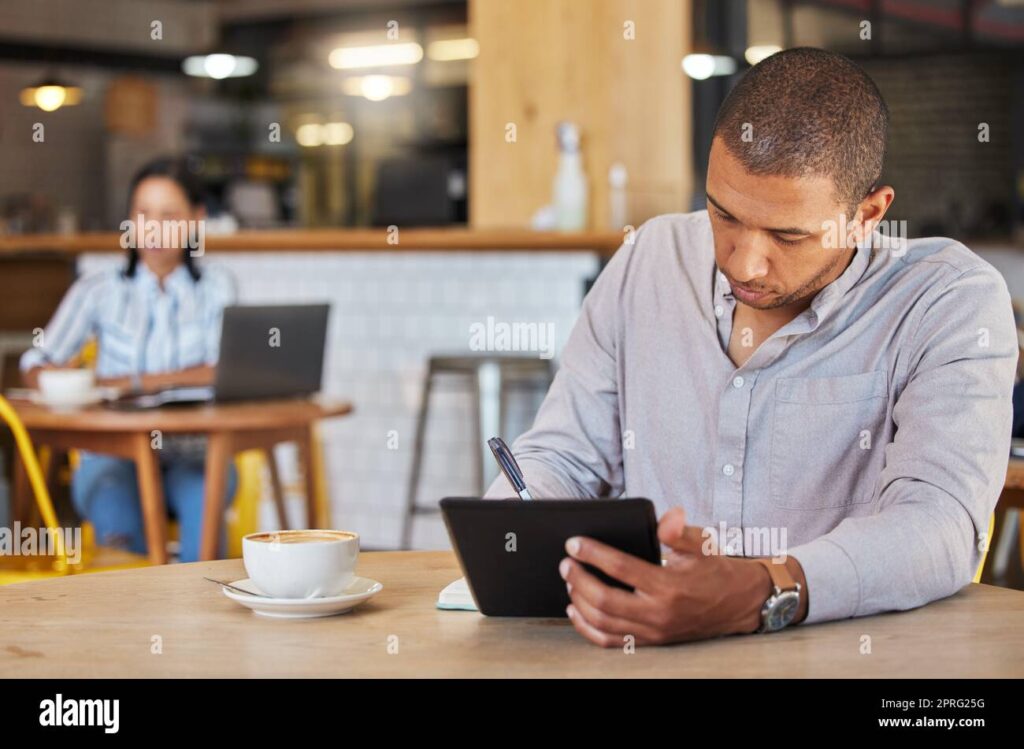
(73, 401)
(361, 589)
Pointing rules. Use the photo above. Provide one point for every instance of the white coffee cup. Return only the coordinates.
(66, 385)
(301, 563)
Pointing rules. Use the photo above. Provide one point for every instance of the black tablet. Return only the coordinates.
(510, 549)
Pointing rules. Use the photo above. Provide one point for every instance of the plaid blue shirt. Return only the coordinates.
(140, 329)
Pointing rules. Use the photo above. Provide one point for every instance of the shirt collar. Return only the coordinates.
(147, 280)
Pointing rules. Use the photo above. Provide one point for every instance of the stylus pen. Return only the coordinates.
(508, 466)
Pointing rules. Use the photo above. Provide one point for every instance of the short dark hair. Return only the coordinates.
(182, 173)
(807, 111)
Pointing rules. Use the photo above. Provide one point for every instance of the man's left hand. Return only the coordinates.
(697, 594)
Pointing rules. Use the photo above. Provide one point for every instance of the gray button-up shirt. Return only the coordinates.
(869, 435)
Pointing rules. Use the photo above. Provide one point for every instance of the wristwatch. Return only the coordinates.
(780, 609)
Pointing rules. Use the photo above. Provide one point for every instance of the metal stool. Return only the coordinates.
(490, 377)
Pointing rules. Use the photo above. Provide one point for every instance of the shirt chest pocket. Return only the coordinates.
(826, 433)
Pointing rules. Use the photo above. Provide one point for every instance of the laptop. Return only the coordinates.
(266, 351)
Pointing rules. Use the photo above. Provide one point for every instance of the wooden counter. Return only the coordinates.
(102, 625)
(337, 240)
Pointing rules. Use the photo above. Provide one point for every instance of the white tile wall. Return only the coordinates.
(389, 313)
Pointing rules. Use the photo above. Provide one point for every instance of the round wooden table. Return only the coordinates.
(229, 428)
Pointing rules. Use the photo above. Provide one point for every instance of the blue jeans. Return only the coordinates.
(105, 491)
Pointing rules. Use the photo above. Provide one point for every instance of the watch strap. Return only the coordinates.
(781, 578)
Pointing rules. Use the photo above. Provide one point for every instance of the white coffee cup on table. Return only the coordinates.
(66, 385)
(301, 563)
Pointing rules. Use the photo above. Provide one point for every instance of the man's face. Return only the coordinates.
(772, 234)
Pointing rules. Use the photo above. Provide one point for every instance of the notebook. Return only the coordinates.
(456, 597)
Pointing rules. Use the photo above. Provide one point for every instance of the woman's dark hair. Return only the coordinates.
(179, 170)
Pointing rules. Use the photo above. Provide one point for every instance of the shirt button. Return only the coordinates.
(718, 310)
(737, 382)
(728, 469)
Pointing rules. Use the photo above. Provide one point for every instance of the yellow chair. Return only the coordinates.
(92, 558)
(988, 543)
(24, 568)
(58, 565)
(243, 517)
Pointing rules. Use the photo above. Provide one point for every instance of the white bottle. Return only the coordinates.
(570, 184)
(617, 179)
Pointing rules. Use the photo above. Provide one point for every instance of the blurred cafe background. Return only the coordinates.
(428, 165)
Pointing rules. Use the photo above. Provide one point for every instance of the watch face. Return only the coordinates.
(782, 611)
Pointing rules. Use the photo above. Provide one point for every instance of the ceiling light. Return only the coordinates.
(313, 134)
(336, 133)
(758, 52)
(703, 66)
(219, 66)
(50, 95)
(376, 56)
(376, 87)
(445, 50)
(309, 135)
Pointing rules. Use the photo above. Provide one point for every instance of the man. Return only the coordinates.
(774, 368)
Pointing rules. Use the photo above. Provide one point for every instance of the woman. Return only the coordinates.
(157, 325)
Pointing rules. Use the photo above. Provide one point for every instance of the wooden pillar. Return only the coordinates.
(542, 61)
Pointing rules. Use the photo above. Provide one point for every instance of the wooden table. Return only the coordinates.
(229, 428)
(104, 625)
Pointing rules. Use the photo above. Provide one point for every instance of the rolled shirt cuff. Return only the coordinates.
(833, 585)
